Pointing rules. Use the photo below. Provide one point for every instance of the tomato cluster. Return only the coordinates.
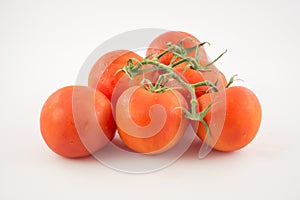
(150, 102)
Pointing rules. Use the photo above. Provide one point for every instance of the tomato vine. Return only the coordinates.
(181, 53)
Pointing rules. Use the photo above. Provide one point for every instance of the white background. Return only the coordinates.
(44, 43)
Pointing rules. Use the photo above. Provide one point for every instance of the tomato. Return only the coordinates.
(159, 44)
(193, 76)
(76, 121)
(103, 75)
(242, 118)
(150, 122)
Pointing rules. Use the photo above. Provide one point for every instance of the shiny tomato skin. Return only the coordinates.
(242, 119)
(103, 75)
(70, 121)
(159, 44)
(139, 107)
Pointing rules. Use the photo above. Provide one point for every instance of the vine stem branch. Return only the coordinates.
(190, 87)
(180, 52)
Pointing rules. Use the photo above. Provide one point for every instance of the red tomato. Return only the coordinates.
(242, 118)
(150, 122)
(193, 76)
(103, 75)
(159, 44)
(76, 121)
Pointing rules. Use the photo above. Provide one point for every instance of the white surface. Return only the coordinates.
(44, 43)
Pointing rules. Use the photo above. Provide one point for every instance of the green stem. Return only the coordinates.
(206, 83)
(165, 52)
(232, 79)
(162, 67)
(178, 62)
(215, 60)
(188, 50)
(158, 84)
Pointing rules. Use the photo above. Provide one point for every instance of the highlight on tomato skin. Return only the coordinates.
(157, 122)
(76, 121)
(242, 119)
